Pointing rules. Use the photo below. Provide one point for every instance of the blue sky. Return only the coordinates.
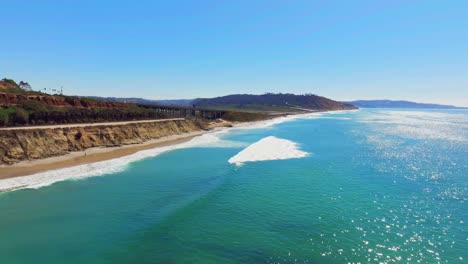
(414, 50)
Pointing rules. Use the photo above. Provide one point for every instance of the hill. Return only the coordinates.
(19, 105)
(272, 103)
(398, 104)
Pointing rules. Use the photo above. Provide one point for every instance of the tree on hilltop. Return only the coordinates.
(25, 86)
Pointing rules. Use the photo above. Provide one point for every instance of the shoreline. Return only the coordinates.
(99, 154)
(91, 155)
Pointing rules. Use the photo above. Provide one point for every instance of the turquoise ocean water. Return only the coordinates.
(378, 186)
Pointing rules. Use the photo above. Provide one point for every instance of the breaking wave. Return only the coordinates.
(109, 166)
(282, 149)
(269, 148)
(101, 168)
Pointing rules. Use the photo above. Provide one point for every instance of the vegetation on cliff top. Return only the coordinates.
(20, 105)
(10, 86)
(272, 102)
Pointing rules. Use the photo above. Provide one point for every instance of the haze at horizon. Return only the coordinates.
(363, 50)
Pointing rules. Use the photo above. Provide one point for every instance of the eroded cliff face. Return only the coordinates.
(19, 145)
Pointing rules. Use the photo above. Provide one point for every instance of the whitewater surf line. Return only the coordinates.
(211, 139)
(269, 148)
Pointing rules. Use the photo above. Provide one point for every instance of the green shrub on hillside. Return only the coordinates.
(21, 116)
(5, 114)
(34, 106)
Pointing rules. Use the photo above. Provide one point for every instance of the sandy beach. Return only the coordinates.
(90, 155)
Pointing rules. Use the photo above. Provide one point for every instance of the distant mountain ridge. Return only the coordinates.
(399, 104)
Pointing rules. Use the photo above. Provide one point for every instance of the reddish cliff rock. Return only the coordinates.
(9, 99)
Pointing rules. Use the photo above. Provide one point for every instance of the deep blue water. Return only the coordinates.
(378, 186)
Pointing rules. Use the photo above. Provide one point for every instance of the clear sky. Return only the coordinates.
(414, 50)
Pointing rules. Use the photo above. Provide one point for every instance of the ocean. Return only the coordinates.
(372, 185)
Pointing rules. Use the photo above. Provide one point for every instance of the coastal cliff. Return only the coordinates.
(31, 144)
(8, 99)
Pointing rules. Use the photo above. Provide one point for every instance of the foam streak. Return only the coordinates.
(269, 148)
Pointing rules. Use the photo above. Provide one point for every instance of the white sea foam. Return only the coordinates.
(269, 148)
(212, 139)
(267, 123)
(106, 167)
(279, 120)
